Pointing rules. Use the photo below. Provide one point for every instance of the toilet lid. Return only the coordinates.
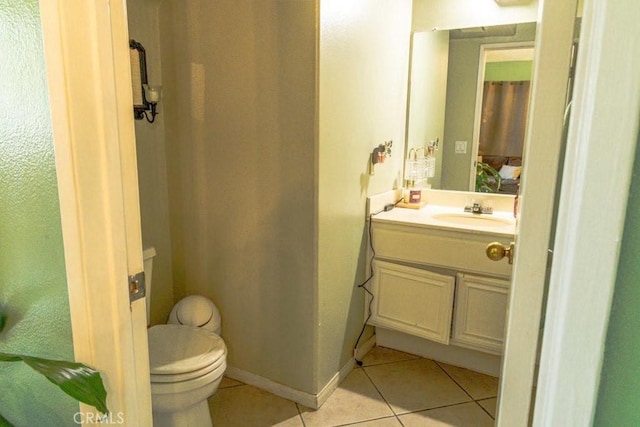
(178, 349)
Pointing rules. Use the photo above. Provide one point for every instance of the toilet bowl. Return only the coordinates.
(187, 360)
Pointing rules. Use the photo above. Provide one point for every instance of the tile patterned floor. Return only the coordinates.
(392, 389)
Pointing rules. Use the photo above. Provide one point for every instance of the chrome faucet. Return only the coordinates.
(477, 208)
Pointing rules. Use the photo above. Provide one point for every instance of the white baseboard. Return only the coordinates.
(313, 401)
(331, 386)
(273, 387)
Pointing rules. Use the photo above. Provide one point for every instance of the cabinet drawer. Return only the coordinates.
(412, 300)
(480, 312)
(447, 249)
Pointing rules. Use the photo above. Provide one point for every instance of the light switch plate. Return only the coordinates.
(461, 147)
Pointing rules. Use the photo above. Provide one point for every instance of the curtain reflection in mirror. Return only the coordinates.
(504, 118)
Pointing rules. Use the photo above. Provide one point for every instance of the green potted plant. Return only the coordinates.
(484, 181)
(75, 379)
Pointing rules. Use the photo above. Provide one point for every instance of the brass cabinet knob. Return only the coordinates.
(496, 251)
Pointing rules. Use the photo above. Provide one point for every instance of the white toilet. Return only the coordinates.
(187, 359)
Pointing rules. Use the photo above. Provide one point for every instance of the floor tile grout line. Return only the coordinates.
(366, 421)
(393, 412)
(465, 390)
(452, 379)
(467, 393)
(397, 416)
(483, 408)
(471, 398)
(390, 362)
(381, 395)
(231, 386)
(304, 424)
(438, 407)
(429, 409)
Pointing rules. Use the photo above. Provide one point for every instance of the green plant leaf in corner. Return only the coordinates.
(4, 422)
(75, 379)
(3, 320)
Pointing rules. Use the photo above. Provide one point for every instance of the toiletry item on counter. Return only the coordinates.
(413, 195)
(412, 198)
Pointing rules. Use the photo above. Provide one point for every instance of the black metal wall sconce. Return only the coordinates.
(379, 155)
(145, 96)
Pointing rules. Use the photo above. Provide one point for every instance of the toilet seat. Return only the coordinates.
(180, 353)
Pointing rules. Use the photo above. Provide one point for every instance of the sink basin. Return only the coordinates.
(473, 219)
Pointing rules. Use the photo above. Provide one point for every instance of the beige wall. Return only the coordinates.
(364, 54)
(152, 163)
(240, 86)
(267, 179)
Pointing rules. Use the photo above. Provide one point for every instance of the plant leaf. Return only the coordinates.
(4, 422)
(6, 357)
(75, 379)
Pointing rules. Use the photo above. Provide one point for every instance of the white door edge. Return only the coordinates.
(554, 37)
(602, 137)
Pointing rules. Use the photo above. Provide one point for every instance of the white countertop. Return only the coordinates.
(451, 218)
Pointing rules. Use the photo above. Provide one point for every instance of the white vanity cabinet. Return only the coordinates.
(395, 286)
(480, 312)
(438, 284)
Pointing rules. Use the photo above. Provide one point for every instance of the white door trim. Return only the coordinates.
(85, 43)
(602, 140)
(554, 37)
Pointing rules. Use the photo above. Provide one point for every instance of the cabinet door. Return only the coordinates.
(412, 300)
(480, 313)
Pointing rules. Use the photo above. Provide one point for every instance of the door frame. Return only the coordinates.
(553, 47)
(582, 279)
(94, 141)
(606, 107)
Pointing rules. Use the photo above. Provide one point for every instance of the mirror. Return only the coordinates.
(445, 98)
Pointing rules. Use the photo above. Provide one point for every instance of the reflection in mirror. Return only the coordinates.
(452, 60)
(427, 95)
(504, 79)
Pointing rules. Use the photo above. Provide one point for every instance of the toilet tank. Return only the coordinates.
(148, 253)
